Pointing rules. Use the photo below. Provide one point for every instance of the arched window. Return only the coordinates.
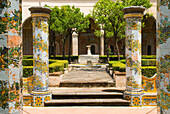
(92, 49)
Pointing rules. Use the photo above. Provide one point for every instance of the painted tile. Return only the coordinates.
(163, 56)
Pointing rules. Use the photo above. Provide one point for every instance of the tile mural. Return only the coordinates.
(163, 56)
(10, 56)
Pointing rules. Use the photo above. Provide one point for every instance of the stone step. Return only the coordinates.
(86, 84)
(87, 95)
(88, 102)
(85, 89)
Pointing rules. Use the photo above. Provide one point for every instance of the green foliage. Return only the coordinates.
(148, 62)
(27, 62)
(60, 57)
(64, 19)
(149, 71)
(27, 56)
(110, 17)
(54, 66)
(148, 56)
(27, 71)
(122, 59)
(144, 3)
(57, 57)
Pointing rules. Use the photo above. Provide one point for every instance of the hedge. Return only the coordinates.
(148, 62)
(148, 56)
(54, 66)
(147, 71)
(58, 57)
(29, 62)
(27, 71)
(145, 62)
(114, 57)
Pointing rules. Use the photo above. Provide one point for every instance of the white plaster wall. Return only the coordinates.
(84, 5)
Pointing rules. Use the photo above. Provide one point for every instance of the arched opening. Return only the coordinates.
(27, 37)
(92, 49)
(149, 50)
(149, 36)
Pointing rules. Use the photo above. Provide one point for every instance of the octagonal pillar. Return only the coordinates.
(163, 56)
(41, 92)
(10, 57)
(133, 91)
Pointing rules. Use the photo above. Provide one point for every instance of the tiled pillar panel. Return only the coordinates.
(41, 92)
(133, 91)
(10, 57)
(163, 56)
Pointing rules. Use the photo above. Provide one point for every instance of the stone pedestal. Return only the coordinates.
(88, 50)
(75, 44)
(10, 57)
(133, 91)
(163, 57)
(40, 92)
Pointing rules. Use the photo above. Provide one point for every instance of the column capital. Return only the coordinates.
(133, 11)
(40, 11)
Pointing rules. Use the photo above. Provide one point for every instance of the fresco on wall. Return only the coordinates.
(10, 56)
(163, 56)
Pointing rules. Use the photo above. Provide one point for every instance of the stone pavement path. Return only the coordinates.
(87, 75)
(90, 110)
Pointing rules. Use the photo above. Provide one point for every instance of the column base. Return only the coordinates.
(134, 97)
(40, 97)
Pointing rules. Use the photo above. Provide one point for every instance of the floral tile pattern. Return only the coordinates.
(40, 52)
(163, 56)
(149, 84)
(149, 100)
(133, 53)
(133, 59)
(10, 56)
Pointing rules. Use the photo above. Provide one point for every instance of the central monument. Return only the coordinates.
(88, 57)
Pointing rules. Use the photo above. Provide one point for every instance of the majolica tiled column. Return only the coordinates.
(41, 93)
(163, 56)
(10, 57)
(133, 91)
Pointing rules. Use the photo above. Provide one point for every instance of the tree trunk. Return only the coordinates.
(124, 52)
(63, 47)
(118, 53)
(51, 43)
(108, 59)
(54, 48)
(70, 41)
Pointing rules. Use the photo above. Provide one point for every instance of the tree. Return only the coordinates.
(110, 15)
(65, 21)
(144, 3)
